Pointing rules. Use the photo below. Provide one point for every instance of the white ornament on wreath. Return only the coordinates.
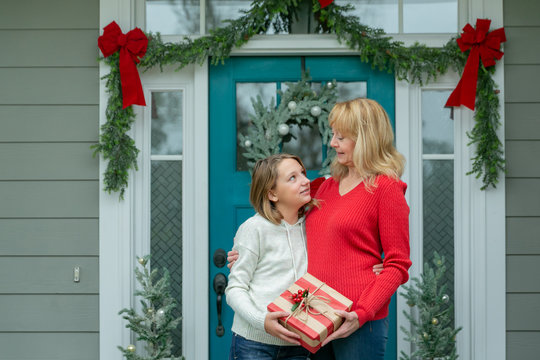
(329, 85)
(283, 129)
(291, 105)
(247, 143)
(316, 111)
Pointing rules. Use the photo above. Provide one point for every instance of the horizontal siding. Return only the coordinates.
(523, 273)
(49, 313)
(524, 47)
(50, 14)
(523, 312)
(523, 235)
(523, 197)
(49, 199)
(54, 48)
(522, 159)
(522, 147)
(521, 13)
(20, 86)
(49, 346)
(520, 83)
(48, 161)
(45, 237)
(52, 123)
(522, 345)
(522, 121)
(48, 275)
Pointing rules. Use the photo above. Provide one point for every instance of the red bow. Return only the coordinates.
(132, 46)
(483, 45)
(325, 3)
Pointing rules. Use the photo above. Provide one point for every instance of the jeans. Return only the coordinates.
(366, 343)
(244, 349)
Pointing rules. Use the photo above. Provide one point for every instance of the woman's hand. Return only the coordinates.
(378, 268)
(274, 328)
(232, 256)
(350, 325)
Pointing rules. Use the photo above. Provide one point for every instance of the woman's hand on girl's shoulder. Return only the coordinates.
(232, 256)
(274, 328)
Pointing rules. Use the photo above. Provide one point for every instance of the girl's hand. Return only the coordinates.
(378, 268)
(232, 256)
(274, 328)
(350, 325)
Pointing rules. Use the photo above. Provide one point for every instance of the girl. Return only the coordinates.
(272, 247)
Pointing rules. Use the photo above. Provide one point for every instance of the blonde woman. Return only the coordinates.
(362, 215)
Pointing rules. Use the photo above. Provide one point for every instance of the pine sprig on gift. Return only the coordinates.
(432, 332)
(154, 324)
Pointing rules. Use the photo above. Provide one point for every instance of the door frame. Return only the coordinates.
(483, 260)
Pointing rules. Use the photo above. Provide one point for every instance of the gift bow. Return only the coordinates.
(483, 45)
(132, 46)
(325, 3)
(319, 303)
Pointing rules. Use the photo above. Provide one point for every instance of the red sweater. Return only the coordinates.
(348, 234)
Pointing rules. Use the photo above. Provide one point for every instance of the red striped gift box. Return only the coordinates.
(317, 320)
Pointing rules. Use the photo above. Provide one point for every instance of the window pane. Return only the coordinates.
(381, 14)
(438, 218)
(351, 90)
(430, 16)
(437, 124)
(219, 10)
(245, 92)
(167, 118)
(173, 17)
(166, 231)
(307, 145)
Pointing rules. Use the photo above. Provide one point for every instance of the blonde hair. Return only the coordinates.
(263, 180)
(367, 123)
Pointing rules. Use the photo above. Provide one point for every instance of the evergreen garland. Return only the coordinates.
(415, 64)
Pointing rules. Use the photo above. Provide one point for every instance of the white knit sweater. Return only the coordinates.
(271, 258)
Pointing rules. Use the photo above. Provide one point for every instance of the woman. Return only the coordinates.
(362, 215)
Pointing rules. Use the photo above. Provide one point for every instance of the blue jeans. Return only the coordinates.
(244, 349)
(366, 343)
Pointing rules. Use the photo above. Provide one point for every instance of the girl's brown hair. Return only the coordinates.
(367, 123)
(263, 180)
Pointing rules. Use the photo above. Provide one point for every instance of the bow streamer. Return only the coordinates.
(325, 3)
(132, 46)
(483, 46)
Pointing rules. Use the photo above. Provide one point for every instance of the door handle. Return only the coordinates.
(220, 283)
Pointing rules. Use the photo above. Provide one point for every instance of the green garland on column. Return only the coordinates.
(415, 64)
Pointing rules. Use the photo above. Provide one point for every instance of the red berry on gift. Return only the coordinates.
(294, 296)
(300, 292)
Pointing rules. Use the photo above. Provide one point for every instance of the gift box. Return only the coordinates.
(312, 305)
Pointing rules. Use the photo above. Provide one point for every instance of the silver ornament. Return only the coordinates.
(445, 298)
(291, 105)
(160, 313)
(247, 143)
(131, 348)
(315, 111)
(329, 85)
(283, 129)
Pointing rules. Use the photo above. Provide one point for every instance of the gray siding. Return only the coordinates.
(49, 191)
(522, 136)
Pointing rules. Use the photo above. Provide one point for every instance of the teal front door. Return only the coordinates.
(231, 87)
